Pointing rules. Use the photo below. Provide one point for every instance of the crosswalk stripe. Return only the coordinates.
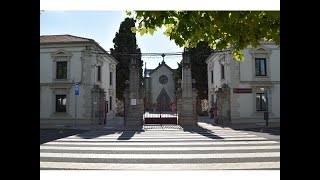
(117, 166)
(166, 130)
(163, 139)
(160, 156)
(128, 143)
(165, 134)
(161, 161)
(161, 148)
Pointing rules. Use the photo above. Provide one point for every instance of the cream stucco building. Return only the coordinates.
(65, 61)
(241, 91)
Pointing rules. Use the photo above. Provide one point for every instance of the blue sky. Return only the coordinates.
(102, 27)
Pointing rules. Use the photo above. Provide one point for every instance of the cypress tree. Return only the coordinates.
(125, 45)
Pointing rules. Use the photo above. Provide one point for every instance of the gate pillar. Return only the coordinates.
(134, 95)
(187, 95)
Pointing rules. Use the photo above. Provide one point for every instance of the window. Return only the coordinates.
(212, 76)
(110, 78)
(99, 73)
(260, 65)
(61, 101)
(61, 66)
(61, 70)
(163, 79)
(222, 71)
(110, 103)
(261, 102)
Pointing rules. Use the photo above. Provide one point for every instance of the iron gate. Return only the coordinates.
(160, 113)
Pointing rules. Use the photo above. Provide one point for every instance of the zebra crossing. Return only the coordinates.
(210, 148)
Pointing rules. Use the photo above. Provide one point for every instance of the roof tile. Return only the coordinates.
(63, 38)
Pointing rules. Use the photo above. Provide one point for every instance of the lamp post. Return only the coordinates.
(266, 113)
(267, 98)
(211, 110)
(105, 110)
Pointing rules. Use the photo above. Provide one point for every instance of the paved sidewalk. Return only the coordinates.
(207, 120)
(118, 123)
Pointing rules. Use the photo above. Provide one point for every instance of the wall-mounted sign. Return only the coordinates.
(77, 90)
(133, 102)
(242, 90)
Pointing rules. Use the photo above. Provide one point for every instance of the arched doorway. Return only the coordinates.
(163, 101)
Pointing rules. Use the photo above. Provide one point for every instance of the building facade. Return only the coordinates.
(241, 91)
(77, 82)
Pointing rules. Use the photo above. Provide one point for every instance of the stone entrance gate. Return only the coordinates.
(185, 107)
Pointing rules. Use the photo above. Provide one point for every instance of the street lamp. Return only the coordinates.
(105, 110)
(266, 113)
(267, 102)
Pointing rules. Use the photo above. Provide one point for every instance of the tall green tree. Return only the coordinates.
(125, 46)
(176, 76)
(198, 56)
(222, 29)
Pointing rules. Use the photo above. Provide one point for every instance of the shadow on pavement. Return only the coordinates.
(52, 135)
(95, 134)
(125, 134)
(202, 131)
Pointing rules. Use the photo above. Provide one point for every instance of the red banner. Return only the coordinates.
(242, 90)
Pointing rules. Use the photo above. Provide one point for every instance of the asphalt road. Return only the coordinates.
(271, 134)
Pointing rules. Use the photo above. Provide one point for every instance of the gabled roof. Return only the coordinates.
(67, 38)
(162, 64)
(63, 38)
(216, 53)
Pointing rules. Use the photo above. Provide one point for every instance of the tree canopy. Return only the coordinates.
(125, 45)
(221, 29)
